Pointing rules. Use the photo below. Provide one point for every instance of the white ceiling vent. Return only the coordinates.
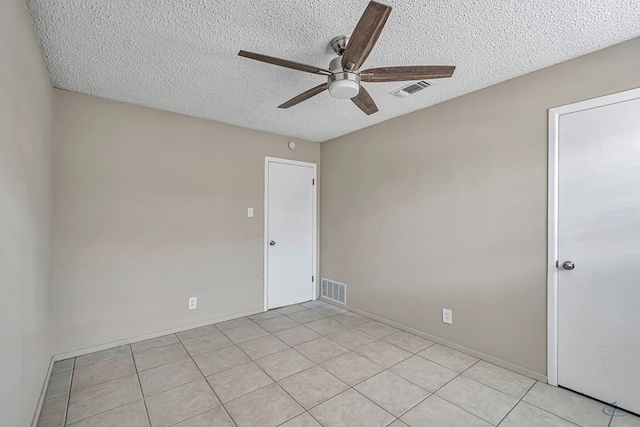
(334, 291)
(410, 89)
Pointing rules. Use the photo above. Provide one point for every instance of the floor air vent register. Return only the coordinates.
(334, 291)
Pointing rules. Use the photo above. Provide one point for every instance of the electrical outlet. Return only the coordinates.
(447, 316)
(193, 303)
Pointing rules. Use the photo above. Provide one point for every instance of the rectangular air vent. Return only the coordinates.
(411, 89)
(334, 291)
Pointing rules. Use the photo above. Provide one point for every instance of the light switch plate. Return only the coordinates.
(250, 212)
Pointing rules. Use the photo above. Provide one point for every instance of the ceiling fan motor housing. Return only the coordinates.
(342, 84)
(339, 44)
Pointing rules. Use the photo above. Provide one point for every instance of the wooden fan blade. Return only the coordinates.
(285, 63)
(364, 101)
(365, 35)
(304, 96)
(400, 74)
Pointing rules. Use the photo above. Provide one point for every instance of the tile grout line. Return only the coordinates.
(378, 405)
(472, 379)
(545, 410)
(212, 390)
(288, 376)
(274, 381)
(66, 409)
(315, 365)
(328, 398)
(444, 385)
(299, 415)
(492, 387)
(139, 383)
(517, 403)
(100, 351)
(105, 381)
(408, 409)
(434, 392)
(106, 410)
(446, 367)
(205, 378)
(171, 388)
(349, 386)
(353, 386)
(403, 360)
(144, 401)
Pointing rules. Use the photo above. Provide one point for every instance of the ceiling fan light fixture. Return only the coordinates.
(344, 89)
(344, 85)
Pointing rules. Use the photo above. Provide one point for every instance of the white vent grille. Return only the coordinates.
(411, 89)
(334, 291)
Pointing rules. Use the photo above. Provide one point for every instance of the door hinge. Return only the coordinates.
(313, 182)
(313, 278)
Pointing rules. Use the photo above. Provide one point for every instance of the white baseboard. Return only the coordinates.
(478, 355)
(125, 341)
(36, 416)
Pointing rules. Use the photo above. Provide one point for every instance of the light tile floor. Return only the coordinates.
(311, 364)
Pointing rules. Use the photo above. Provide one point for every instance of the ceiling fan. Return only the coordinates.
(344, 76)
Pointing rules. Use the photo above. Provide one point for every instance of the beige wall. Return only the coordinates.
(151, 208)
(25, 207)
(446, 207)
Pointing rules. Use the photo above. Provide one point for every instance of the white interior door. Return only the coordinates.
(599, 232)
(290, 232)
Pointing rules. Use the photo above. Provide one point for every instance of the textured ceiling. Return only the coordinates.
(181, 55)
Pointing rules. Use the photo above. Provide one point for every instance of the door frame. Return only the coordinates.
(552, 217)
(314, 208)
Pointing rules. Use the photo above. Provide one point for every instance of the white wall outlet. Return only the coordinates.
(193, 303)
(250, 212)
(447, 316)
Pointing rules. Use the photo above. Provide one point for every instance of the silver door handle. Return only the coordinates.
(568, 265)
(272, 243)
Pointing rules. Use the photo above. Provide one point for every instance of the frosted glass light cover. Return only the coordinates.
(344, 89)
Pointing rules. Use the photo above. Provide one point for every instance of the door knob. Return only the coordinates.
(273, 243)
(568, 265)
